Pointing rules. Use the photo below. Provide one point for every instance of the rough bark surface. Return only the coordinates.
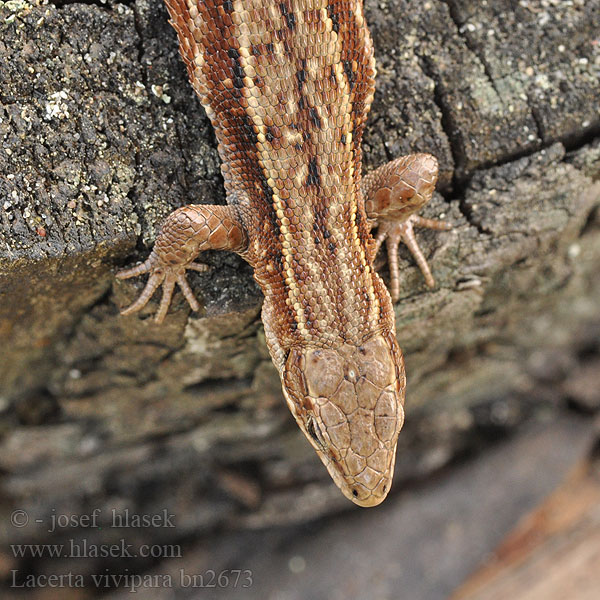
(101, 137)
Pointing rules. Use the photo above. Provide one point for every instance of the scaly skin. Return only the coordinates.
(288, 86)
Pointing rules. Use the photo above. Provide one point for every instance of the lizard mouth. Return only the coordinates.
(348, 401)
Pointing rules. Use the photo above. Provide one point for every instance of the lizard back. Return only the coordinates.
(280, 80)
(287, 86)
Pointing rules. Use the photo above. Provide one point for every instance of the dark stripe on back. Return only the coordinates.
(301, 75)
(334, 18)
(349, 73)
(238, 71)
(314, 117)
(314, 176)
(290, 17)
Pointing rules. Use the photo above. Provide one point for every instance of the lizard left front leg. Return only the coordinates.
(393, 194)
(186, 232)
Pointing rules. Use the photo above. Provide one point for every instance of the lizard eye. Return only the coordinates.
(315, 433)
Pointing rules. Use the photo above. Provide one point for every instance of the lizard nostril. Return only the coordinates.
(355, 493)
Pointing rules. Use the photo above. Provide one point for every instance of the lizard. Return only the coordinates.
(287, 86)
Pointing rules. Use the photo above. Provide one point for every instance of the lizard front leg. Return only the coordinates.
(393, 194)
(186, 232)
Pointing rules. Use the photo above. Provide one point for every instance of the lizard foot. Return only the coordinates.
(393, 233)
(165, 275)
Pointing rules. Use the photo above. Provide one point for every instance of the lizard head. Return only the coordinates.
(348, 401)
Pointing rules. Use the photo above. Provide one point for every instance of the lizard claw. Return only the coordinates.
(167, 276)
(144, 267)
(393, 233)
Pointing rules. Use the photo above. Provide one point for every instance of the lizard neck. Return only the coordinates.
(320, 287)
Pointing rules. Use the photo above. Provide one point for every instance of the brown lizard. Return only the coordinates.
(287, 86)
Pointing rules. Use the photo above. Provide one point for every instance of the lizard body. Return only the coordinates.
(288, 86)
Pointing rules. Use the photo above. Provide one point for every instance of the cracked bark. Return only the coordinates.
(105, 138)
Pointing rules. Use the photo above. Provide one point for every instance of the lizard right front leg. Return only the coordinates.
(393, 194)
(186, 232)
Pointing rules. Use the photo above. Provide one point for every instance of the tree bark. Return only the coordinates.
(102, 137)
